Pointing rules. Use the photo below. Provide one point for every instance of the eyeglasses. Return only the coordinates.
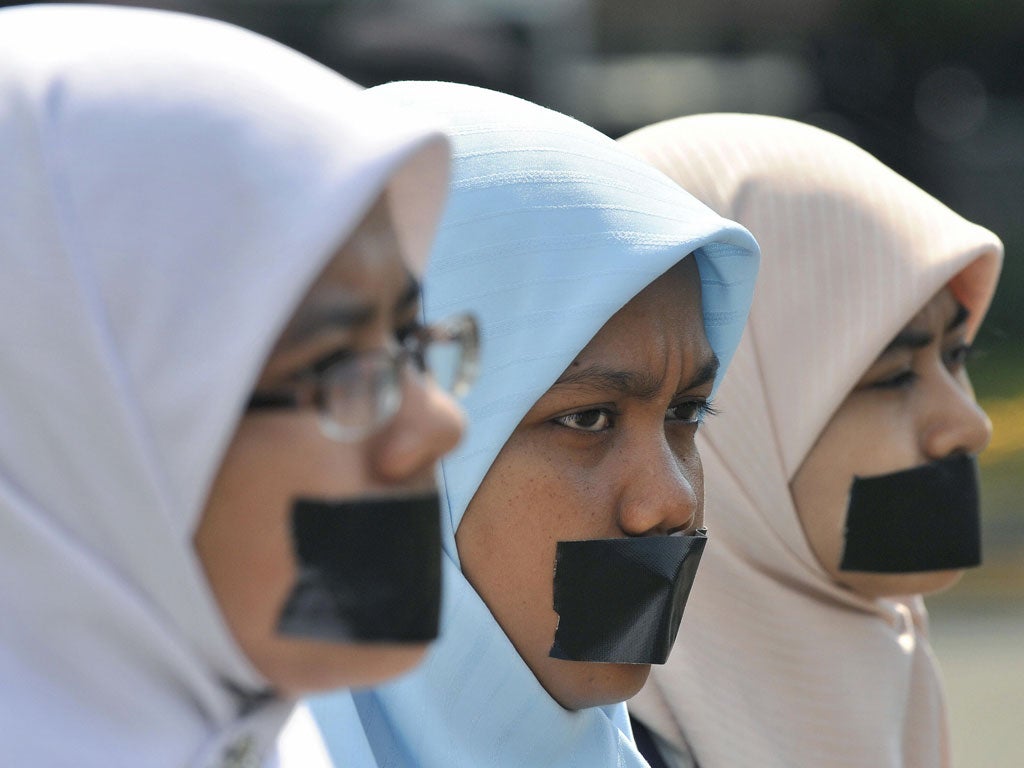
(359, 394)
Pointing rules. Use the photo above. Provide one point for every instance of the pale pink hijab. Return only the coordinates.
(775, 663)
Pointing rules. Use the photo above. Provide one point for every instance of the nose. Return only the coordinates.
(662, 493)
(954, 422)
(428, 424)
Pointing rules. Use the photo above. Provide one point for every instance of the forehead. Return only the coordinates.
(665, 316)
(369, 264)
(366, 282)
(937, 314)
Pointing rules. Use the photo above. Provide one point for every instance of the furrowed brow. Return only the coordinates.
(635, 384)
(641, 386)
(707, 372)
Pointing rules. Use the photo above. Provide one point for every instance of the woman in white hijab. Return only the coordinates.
(604, 294)
(805, 642)
(182, 203)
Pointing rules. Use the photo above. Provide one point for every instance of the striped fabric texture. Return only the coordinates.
(775, 664)
(550, 229)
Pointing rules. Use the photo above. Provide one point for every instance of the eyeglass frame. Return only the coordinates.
(312, 389)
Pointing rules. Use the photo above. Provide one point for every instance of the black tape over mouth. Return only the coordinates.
(369, 570)
(620, 601)
(927, 518)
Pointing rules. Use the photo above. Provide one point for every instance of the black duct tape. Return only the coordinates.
(620, 601)
(923, 519)
(369, 570)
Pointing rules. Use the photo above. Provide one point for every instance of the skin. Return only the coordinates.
(913, 405)
(596, 457)
(364, 298)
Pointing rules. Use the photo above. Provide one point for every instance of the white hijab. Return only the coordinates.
(170, 188)
(776, 664)
(550, 229)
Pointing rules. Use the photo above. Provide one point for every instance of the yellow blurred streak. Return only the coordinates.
(1007, 416)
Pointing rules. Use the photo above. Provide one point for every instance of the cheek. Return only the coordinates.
(244, 538)
(272, 462)
(873, 433)
(685, 450)
(507, 533)
(820, 490)
(868, 435)
(819, 495)
(507, 539)
(532, 498)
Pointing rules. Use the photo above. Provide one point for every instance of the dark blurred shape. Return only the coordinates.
(934, 88)
(700, 25)
(951, 103)
(374, 47)
(619, 93)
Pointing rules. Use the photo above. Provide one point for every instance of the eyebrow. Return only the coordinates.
(638, 385)
(706, 373)
(346, 316)
(962, 313)
(910, 339)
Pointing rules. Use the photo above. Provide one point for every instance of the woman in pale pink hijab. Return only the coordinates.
(846, 421)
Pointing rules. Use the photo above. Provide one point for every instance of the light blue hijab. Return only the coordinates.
(549, 230)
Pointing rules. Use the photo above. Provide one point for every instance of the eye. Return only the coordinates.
(957, 357)
(902, 380)
(590, 420)
(690, 411)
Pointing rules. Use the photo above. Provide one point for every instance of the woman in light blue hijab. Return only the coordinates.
(550, 231)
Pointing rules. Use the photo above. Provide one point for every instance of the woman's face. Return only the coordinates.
(608, 451)
(364, 300)
(913, 405)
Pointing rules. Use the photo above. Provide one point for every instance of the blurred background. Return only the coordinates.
(934, 88)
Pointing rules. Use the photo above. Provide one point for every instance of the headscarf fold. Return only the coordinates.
(171, 187)
(550, 229)
(775, 663)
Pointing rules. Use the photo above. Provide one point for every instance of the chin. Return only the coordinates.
(901, 584)
(299, 667)
(582, 684)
